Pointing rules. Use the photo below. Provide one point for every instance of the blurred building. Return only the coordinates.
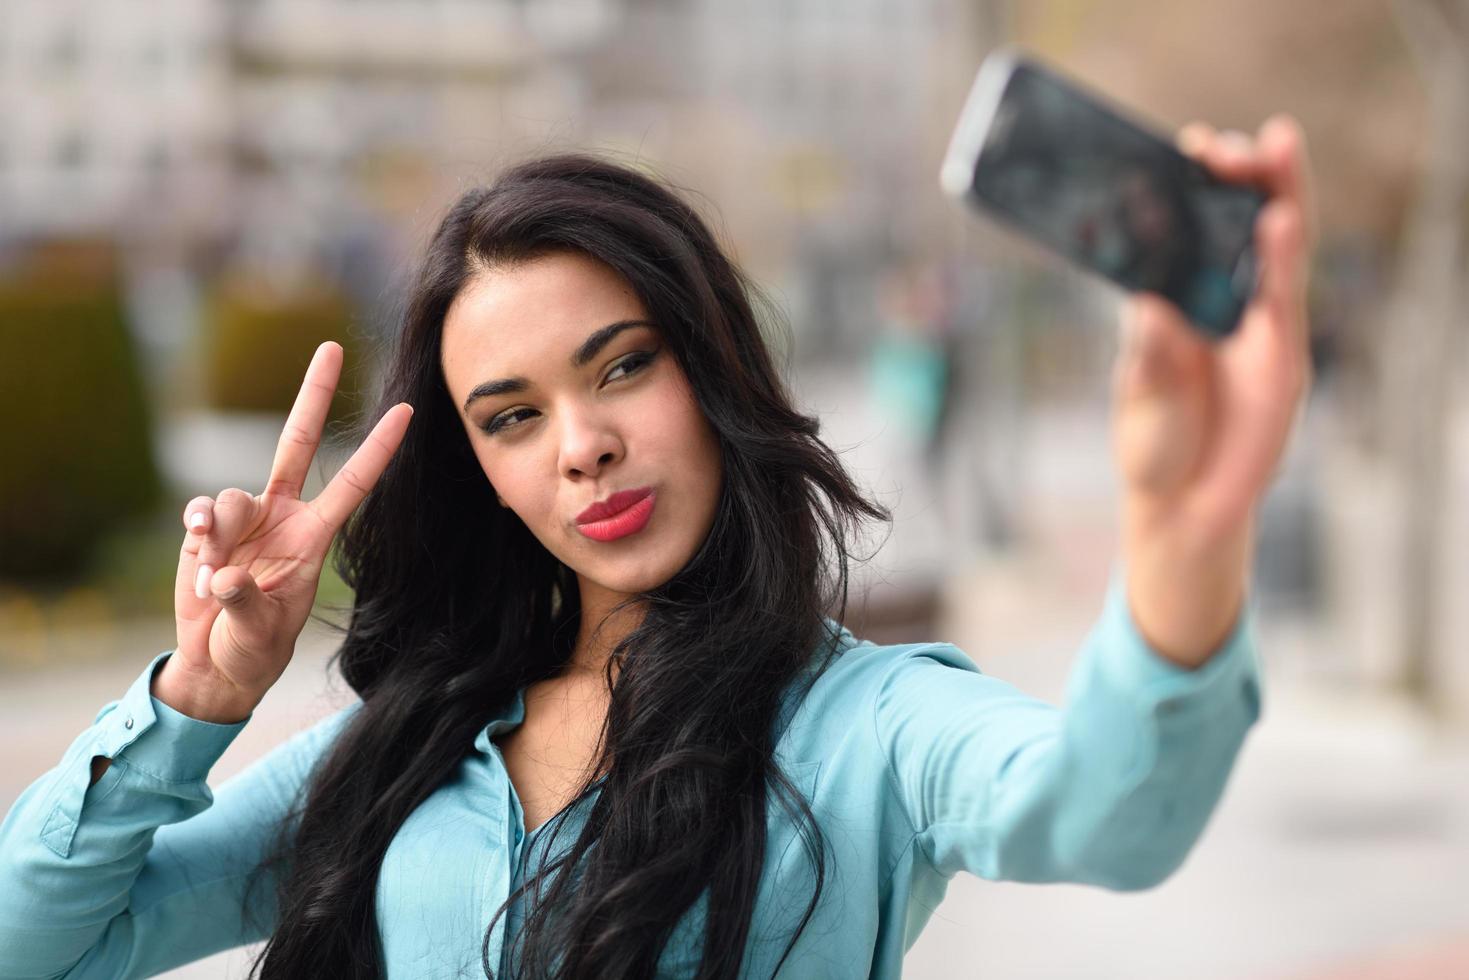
(815, 126)
(298, 133)
(351, 114)
(113, 117)
(263, 127)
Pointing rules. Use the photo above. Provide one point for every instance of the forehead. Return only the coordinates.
(535, 307)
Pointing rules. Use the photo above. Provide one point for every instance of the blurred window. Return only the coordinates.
(71, 152)
(152, 55)
(156, 159)
(66, 50)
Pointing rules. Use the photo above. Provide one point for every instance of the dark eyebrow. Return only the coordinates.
(580, 358)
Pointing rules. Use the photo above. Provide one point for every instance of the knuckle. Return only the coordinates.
(233, 497)
(354, 481)
(295, 434)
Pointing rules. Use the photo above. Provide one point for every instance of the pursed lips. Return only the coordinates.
(612, 505)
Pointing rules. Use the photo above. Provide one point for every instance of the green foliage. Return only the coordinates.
(76, 441)
(259, 343)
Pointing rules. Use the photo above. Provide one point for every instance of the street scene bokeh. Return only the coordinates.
(194, 194)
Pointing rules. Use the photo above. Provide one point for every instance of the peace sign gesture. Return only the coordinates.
(250, 564)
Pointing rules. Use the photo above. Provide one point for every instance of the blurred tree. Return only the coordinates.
(77, 444)
(1422, 352)
(260, 340)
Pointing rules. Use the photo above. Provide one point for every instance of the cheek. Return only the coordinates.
(507, 475)
(693, 439)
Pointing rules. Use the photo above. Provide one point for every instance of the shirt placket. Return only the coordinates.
(507, 873)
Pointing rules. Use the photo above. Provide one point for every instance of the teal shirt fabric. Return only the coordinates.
(918, 766)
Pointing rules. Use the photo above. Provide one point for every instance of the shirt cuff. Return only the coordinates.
(1131, 664)
(140, 734)
(155, 739)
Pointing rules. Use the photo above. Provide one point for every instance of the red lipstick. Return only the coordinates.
(625, 512)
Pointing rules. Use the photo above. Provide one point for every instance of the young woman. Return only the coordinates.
(606, 726)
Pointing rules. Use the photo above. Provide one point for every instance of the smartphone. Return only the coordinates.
(1055, 161)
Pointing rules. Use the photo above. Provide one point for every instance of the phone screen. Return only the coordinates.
(1118, 199)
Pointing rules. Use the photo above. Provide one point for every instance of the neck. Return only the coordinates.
(600, 630)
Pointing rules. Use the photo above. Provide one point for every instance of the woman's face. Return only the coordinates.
(569, 395)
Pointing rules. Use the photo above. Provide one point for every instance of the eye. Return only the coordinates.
(632, 364)
(504, 420)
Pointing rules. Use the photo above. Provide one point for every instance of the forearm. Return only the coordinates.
(72, 849)
(1113, 790)
(1186, 590)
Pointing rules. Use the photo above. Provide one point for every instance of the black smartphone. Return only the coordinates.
(1057, 162)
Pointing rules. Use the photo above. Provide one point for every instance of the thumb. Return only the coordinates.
(1160, 411)
(235, 589)
(1158, 348)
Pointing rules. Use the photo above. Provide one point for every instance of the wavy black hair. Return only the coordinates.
(457, 606)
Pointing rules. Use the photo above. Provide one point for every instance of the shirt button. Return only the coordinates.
(129, 723)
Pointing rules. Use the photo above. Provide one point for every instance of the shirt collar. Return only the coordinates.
(506, 718)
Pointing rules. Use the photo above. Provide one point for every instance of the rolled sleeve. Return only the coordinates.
(1229, 679)
(1112, 789)
(148, 737)
(71, 850)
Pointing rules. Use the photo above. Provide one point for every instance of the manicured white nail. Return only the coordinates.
(201, 581)
(197, 521)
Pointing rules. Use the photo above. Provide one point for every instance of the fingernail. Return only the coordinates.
(197, 521)
(1191, 139)
(201, 581)
(228, 594)
(1236, 144)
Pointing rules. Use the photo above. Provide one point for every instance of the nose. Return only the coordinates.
(588, 443)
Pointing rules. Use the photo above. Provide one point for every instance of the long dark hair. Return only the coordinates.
(457, 606)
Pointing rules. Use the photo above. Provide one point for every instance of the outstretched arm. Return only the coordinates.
(1113, 789)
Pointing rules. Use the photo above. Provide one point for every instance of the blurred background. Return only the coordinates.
(195, 193)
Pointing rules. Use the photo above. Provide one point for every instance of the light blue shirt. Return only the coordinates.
(918, 766)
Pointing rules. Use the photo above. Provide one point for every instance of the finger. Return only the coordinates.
(302, 432)
(1281, 241)
(1232, 156)
(1282, 145)
(1194, 137)
(235, 513)
(236, 590)
(198, 516)
(1157, 346)
(358, 475)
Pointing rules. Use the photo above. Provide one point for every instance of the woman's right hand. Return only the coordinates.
(250, 564)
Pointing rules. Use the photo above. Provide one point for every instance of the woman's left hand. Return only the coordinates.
(1199, 426)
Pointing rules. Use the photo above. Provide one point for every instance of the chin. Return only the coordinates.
(641, 580)
(635, 574)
